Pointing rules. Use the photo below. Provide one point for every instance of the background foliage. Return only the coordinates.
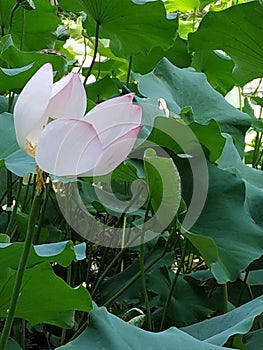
(195, 289)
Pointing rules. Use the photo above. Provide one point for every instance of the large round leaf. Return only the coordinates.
(185, 87)
(44, 297)
(238, 31)
(132, 26)
(38, 26)
(28, 63)
(227, 220)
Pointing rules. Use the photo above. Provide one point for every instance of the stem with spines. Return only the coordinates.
(21, 269)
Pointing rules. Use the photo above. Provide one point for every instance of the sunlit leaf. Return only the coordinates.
(185, 87)
(218, 69)
(181, 5)
(27, 61)
(62, 253)
(129, 26)
(231, 31)
(58, 299)
(38, 26)
(164, 184)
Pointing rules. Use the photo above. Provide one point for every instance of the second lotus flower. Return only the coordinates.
(74, 144)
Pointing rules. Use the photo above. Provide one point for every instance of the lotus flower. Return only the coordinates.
(72, 143)
(41, 99)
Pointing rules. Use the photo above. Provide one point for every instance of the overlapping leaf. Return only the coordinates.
(62, 253)
(218, 69)
(15, 159)
(232, 31)
(218, 329)
(129, 26)
(178, 54)
(106, 331)
(38, 26)
(253, 180)
(181, 5)
(185, 87)
(227, 220)
(188, 304)
(164, 186)
(56, 301)
(26, 64)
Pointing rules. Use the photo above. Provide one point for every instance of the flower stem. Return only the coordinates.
(107, 269)
(225, 293)
(129, 72)
(13, 214)
(144, 289)
(21, 270)
(96, 46)
(15, 7)
(133, 279)
(142, 270)
(168, 300)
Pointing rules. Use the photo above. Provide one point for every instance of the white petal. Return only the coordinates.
(68, 98)
(114, 120)
(68, 148)
(31, 104)
(112, 101)
(115, 153)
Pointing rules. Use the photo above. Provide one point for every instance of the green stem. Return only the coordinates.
(136, 276)
(23, 30)
(244, 284)
(194, 19)
(21, 270)
(11, 96)
(15, 7)
(42, 213)
(9, 188)
(23, 207)
(123, 239)
(143, 280)
(89, 254)
(225, 297)
(176, 276)
(104, 274)
(126, 286)
(23, 335)
(69, 268)
(84, 56)
(240, 99)
(9, 192)
(13, 214)
(129, 72)
(144, 289)
(96, 46)
(256, 149)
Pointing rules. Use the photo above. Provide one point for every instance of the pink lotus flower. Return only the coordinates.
(41, 99)
(73, 144)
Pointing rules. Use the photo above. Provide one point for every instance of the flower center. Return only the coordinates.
(31, 148)
(41, 180)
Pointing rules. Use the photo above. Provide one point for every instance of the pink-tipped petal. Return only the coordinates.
(114, 120)
(31, 104)
(68, 98)
(68, 148)
(115, 153)
(112, 101)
